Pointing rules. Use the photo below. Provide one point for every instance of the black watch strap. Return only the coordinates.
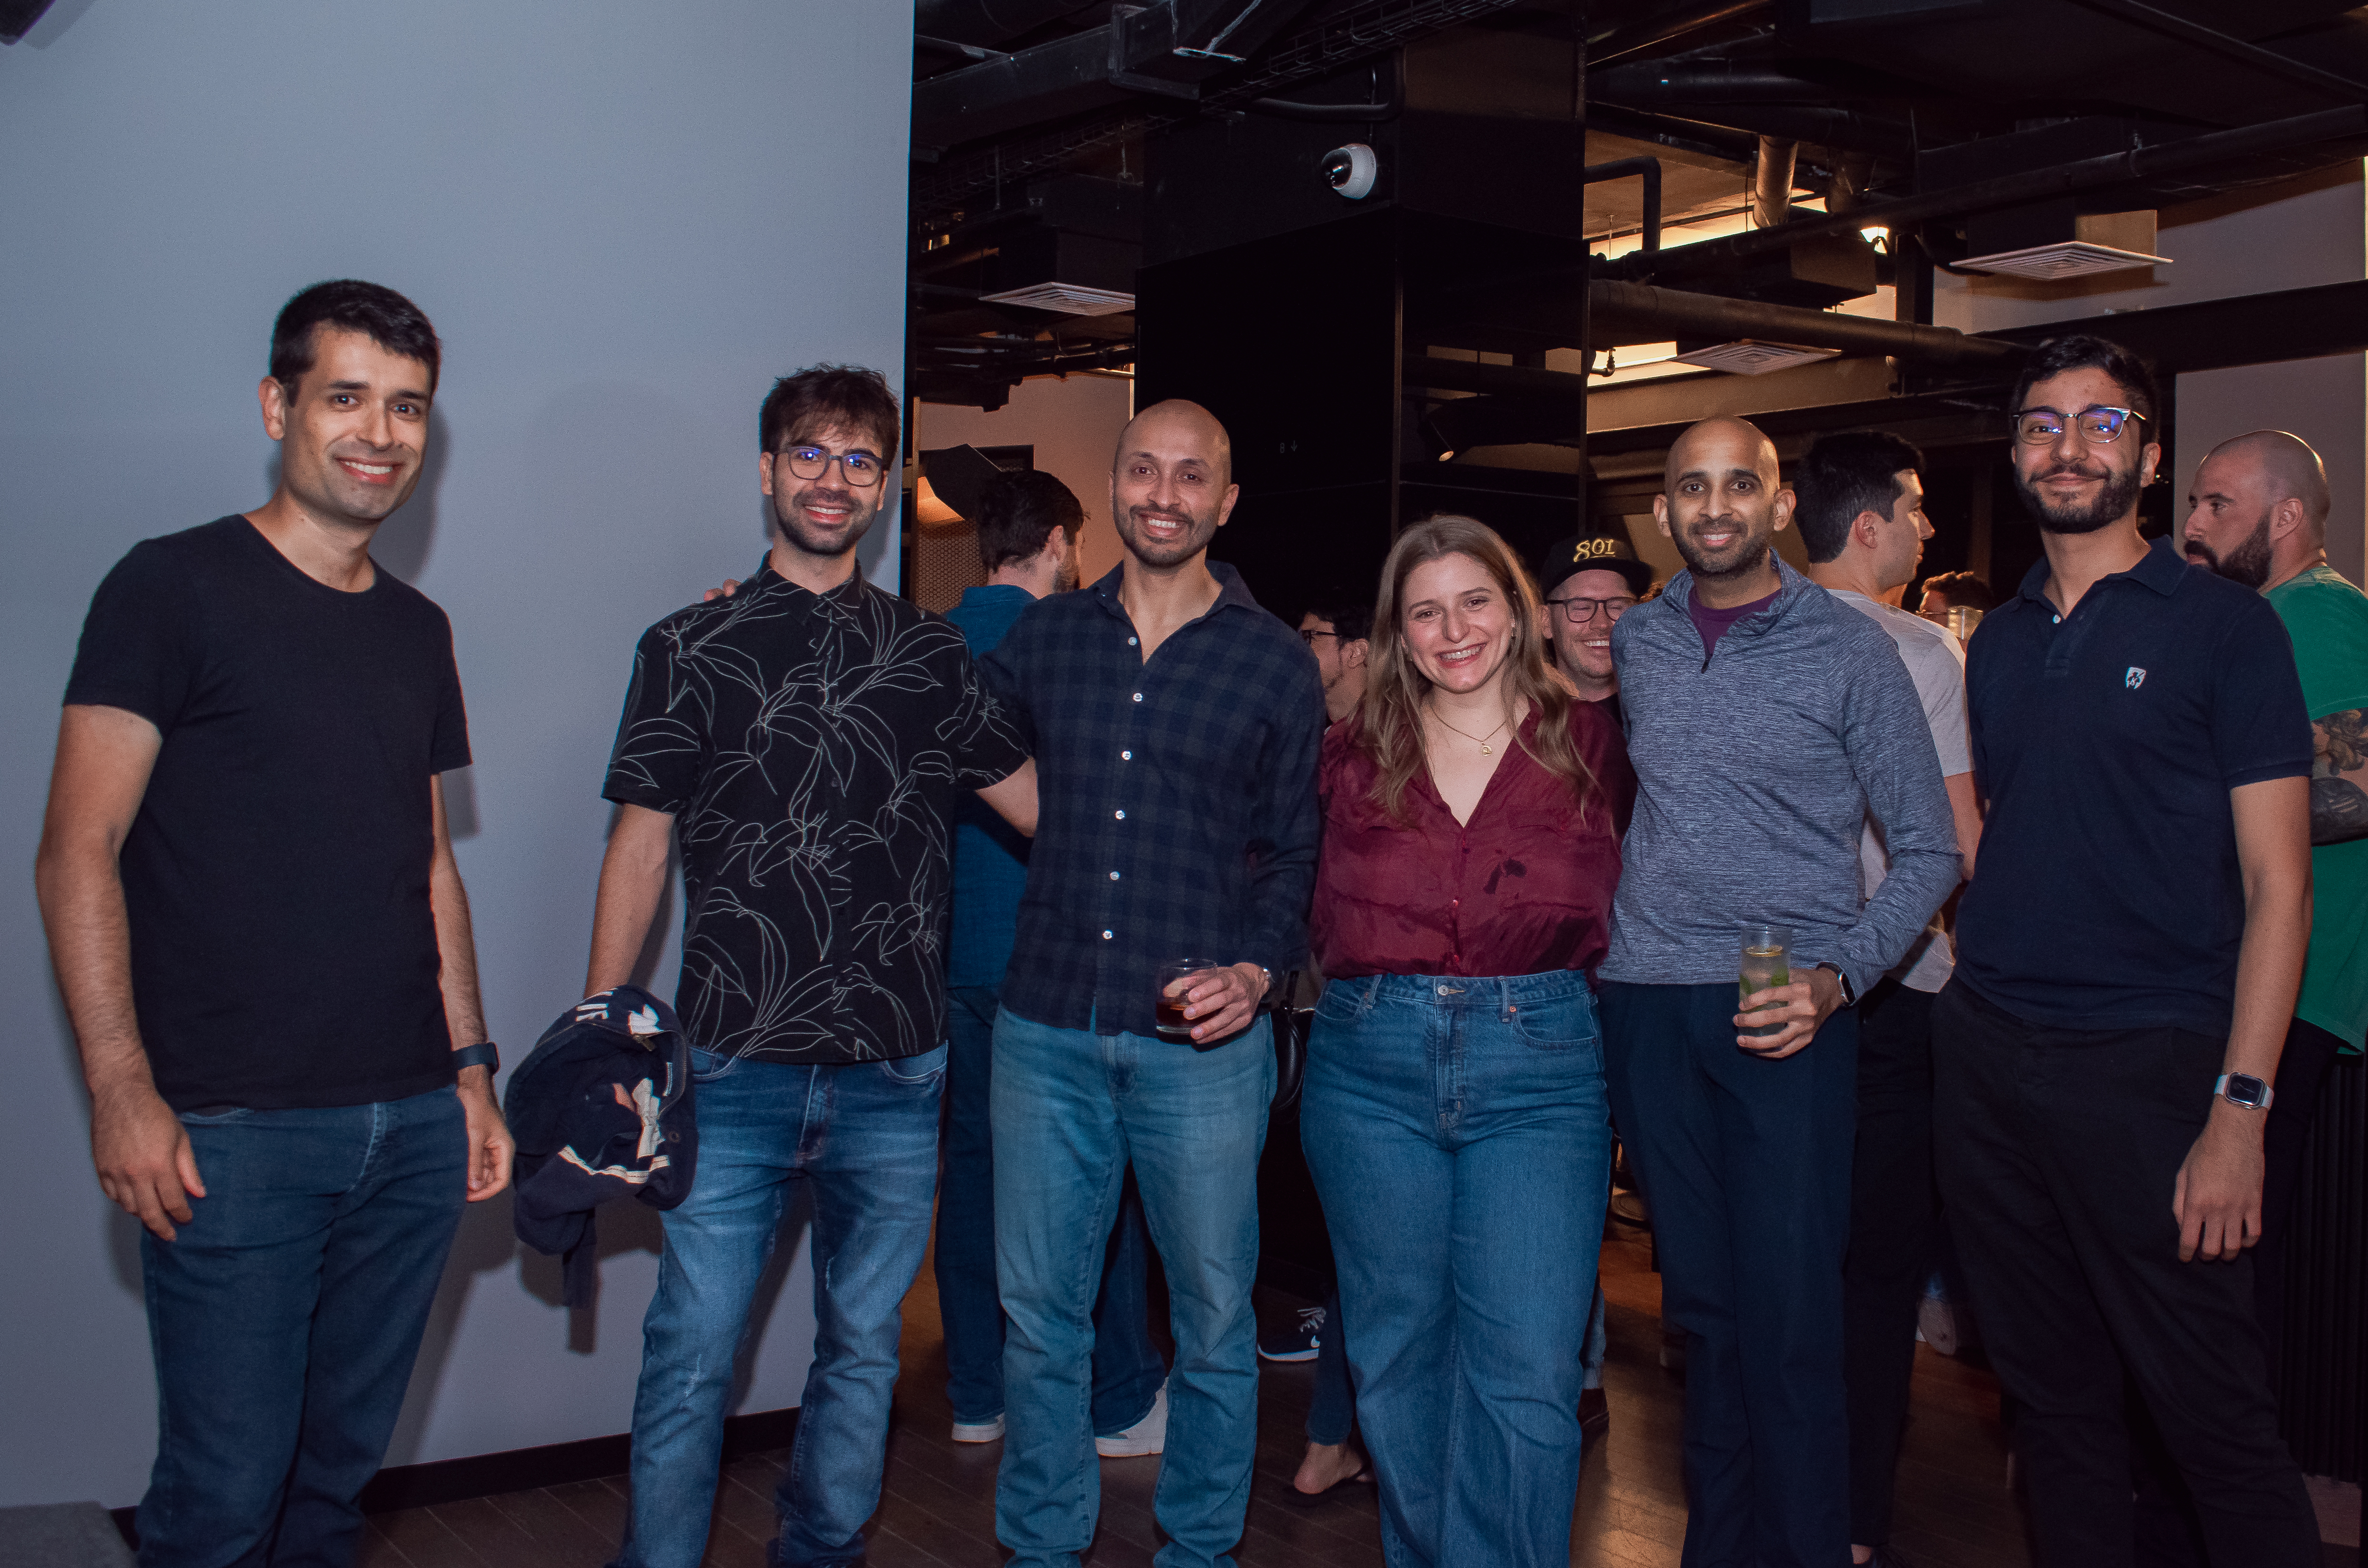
(485, 1054)
(1849, 992)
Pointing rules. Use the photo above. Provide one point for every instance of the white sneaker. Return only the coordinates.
(1146, 1437)
(979, 1431)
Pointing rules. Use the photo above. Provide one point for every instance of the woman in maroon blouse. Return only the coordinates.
(1454, 1115)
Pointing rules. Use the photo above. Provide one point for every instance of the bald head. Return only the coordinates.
(1719, 445)
(1723, 500)
(1178, 426)
(2282, 466)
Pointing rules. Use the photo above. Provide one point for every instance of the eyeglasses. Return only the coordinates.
(2100, 427)
(1309, 636)
(862, 468)
(1578, 612)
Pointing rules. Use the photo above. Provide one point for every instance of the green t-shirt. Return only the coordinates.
(2327, 619)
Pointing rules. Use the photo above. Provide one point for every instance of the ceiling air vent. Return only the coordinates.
(1068, 299)
(2071, 258)
(1746, 357)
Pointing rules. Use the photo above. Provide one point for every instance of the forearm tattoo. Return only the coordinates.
(2338, 805)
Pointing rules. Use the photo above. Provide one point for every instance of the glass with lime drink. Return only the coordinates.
(1767, 963)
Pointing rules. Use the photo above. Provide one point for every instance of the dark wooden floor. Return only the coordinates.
(1955, 1510)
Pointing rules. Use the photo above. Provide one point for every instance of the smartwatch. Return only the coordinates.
(486, 1056)
(2244, 1089)
(1849, 992)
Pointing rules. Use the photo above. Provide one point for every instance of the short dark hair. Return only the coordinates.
(1351, 614)
(1017, 511)
(1966, 588)
(2079, 351)
(348, 304)
(1842, 475)
(822, 395)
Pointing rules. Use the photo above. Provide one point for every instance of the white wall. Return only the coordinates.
(624, 219)
(2296, 234)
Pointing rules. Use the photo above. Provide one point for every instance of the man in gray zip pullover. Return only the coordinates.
(1766, 720)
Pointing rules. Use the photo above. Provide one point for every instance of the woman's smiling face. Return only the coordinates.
(1456, 623)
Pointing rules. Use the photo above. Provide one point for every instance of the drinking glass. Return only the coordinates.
(1767, 962)
(1961, 620)
(1172, 1024)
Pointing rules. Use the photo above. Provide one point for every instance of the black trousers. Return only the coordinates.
(1892, 1206)
(2057, 1152)
(2170, 1533)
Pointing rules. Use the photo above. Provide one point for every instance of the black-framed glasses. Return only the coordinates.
(862, 468)
(1308, 635)
(2098, 426)
(1578, 612)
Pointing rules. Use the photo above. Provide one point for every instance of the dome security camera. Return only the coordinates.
(1351, 170)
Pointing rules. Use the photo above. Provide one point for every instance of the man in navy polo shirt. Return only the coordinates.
(2129, 955)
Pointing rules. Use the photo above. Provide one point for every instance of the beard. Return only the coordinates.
(1065, 579)
(2247, 565)
(1194, 540)
(1741, 559)
(2113, 503)
(814, 539)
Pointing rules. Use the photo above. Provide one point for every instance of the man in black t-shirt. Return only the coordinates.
(264, 947)
(804, 741)
(2128, 957)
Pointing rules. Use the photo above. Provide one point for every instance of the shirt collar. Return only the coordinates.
(840, 597)
(2161, 568)
(1230, 589)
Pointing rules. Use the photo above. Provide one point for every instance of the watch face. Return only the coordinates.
(2246, 1089)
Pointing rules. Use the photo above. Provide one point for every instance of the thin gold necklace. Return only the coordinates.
(1483, 740)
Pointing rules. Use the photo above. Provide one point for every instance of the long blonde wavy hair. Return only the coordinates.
(1390, 714)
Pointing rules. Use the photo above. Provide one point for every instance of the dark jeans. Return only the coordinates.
(2169, 1532)
(1746, 1163)
(2058, 1151)
(1332, 1414)
(1893, 1204)
(1127, 1366)
(285, 1319)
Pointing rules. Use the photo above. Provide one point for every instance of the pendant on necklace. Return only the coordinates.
(1484, 751)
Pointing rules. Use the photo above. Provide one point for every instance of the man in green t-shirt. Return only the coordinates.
(2257, 516)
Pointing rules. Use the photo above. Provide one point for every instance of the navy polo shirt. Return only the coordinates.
(2108, 893)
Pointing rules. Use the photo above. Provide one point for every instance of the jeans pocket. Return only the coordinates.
(706, 1066)
(915, 1072)
(1557, 1023)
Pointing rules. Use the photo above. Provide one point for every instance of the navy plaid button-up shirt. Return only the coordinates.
(1177, 815)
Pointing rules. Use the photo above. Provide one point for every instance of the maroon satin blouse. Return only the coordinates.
(1524, 888)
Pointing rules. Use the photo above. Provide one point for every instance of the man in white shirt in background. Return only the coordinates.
(1860, 513)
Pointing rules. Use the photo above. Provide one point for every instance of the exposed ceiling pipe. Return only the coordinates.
(1684, 314)
(985, 21)
(1657, 28)
(1771, 182)
(2015, 191)
(1647, 169)
(1709, 81)
(1846, 191)
(2237, 49)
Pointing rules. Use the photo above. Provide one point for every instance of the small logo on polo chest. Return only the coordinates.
(2134, 678)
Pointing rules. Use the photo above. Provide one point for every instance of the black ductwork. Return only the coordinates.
(985, 21)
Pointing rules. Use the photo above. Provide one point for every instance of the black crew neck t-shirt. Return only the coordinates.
(283, 952)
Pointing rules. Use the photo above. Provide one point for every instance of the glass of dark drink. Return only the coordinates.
(1172, 1024)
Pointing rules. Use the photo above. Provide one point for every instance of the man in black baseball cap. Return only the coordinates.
(1590, 582)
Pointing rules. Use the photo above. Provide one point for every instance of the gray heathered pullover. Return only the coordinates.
(1754, 770)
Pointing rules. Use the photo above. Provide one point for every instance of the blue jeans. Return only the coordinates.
(1746, 1164)
(1599, 1341)
(1459, 1136)
(1127, 1365)
(1071, 1110)
(1332, 1414)
(285, 1319)
(866, 1136)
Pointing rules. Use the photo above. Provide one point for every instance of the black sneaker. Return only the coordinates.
(1300, 1342)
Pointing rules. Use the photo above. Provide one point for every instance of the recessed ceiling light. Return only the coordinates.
(2071, 258)
(1068, 299)
(1746, 356)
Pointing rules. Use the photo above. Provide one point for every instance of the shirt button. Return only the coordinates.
(1120, 816)
(1138, 696)
(1105, 936)
(1133, 643)
(1126, 756)
(1114, 876)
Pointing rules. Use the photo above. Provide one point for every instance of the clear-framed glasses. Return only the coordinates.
(1578, 612)
(1309, 634)
(862, 468)
(2098, 426)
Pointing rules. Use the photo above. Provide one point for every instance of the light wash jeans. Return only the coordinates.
(1460, 1137)
(866, 1136)
(1071, 1110)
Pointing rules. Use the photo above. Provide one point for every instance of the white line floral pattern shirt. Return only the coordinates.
(810, 749)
